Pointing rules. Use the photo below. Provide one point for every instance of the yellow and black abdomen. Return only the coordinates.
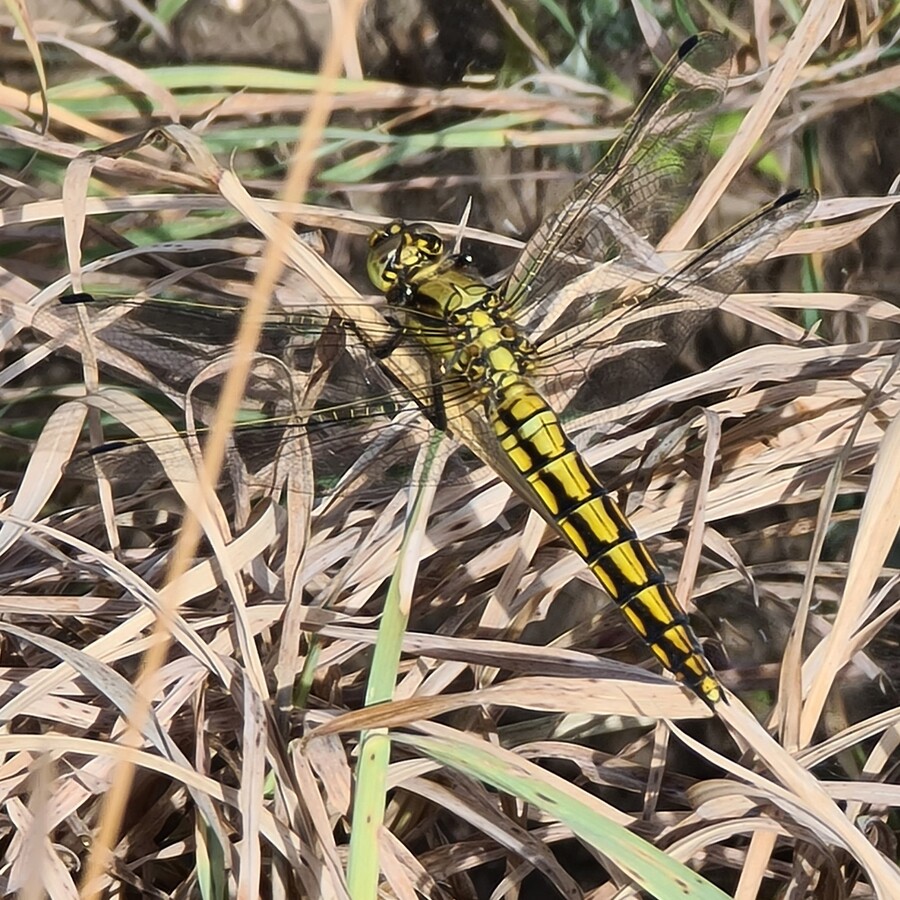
(532, 437)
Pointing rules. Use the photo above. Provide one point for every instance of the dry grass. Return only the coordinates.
(414, 680)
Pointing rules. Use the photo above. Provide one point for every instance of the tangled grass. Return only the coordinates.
(411, 680)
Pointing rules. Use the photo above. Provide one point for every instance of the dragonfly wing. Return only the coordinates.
(312, 378)
(629, 347)
(627, 202)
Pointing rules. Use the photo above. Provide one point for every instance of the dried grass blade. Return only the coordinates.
(53, 450)
(802, 796)
(122, 695)
(878, 526)
(252, 789)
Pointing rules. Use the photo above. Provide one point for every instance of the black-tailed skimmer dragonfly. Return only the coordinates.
(590, 305)
(476, 334)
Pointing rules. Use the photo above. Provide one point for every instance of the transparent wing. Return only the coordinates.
(626, 203)
(613, 352)
(315, 388)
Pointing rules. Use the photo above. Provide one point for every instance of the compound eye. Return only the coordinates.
(381, 262)
(380, 235)
(426, 239)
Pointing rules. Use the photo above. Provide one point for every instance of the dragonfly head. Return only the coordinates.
(400, 251)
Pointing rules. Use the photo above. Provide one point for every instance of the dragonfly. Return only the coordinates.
(484, 353)
(589, 307)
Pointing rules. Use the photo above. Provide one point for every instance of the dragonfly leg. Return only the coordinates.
(437, 412)
(385, 349)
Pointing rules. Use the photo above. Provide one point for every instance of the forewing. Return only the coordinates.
(624, 205)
